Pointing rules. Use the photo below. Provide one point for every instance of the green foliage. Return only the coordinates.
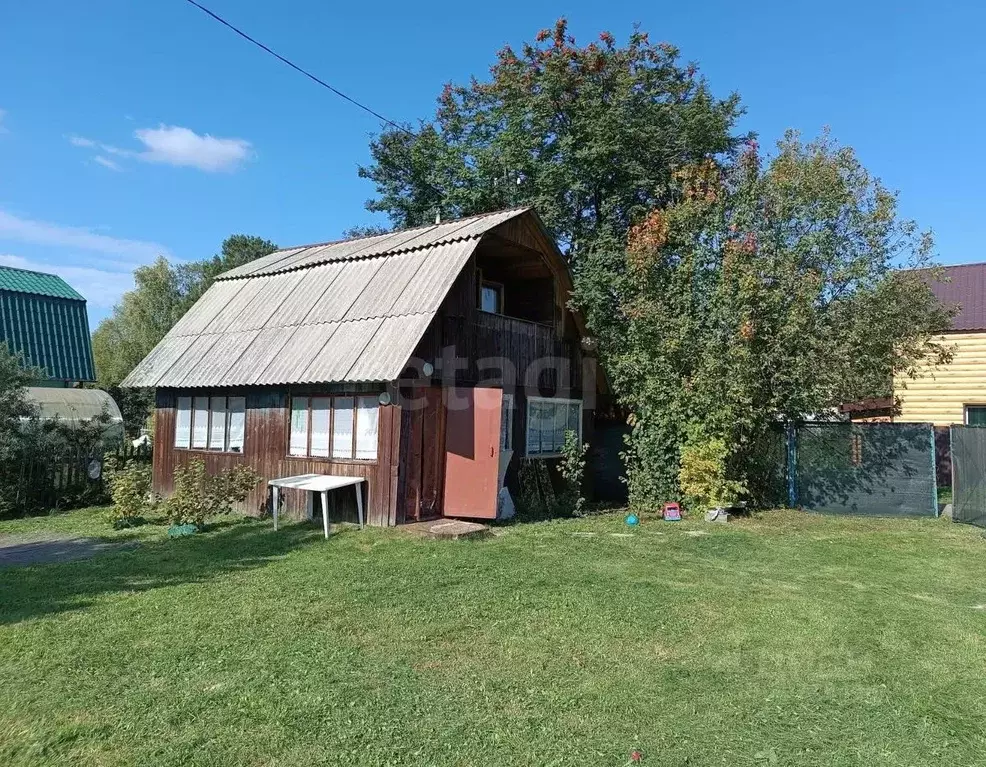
(702, 475)
(572, 470)
(365, 230)
(162, 293)
(130, 489)
(43, 462)
(198, 495)
(764, 291)
(588, 135)
(536, 497)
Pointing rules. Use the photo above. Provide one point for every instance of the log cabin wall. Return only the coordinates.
(265, 449)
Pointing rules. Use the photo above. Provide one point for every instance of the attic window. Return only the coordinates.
(491, 297)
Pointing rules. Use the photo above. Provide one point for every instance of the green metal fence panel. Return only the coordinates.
(969, 474)
(868, 469)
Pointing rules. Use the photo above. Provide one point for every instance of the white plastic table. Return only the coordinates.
(318, 483)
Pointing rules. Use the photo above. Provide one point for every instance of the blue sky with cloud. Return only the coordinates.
(129, 130)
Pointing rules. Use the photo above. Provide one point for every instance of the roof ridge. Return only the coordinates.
(944, 266)
(31, 282)
(405, 229)
(31, 271)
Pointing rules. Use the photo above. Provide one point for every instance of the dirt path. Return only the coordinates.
(23, 550)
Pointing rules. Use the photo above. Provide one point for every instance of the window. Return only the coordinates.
(210, 423)
(507, 422)
(547, 422)
(491, 297)
(975, 415)
(340, 427)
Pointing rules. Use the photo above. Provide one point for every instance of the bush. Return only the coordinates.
(572, 470)
(198, 495)
(703, 475)
(130, 489)
(537, 498)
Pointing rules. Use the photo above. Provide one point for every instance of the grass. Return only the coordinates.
(787, 639)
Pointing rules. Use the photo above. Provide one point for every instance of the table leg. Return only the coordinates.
(359, 503)
(274, 502)
(325, 512)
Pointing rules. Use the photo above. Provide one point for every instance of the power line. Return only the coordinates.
(305, 72)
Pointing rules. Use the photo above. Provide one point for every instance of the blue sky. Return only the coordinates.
(130, 129)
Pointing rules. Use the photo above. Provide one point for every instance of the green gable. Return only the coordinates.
(44, 319)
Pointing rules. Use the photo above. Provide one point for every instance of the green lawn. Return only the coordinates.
(788, 639)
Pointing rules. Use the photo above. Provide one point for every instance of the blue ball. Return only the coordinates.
(632, 519)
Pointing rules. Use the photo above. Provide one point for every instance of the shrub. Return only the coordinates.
(198, 495)
(538, 499)
(130, 489)
(702, 476)
(572, 470)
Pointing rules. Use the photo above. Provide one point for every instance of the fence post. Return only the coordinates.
(792, 459)
(951, 468)
(934, 468)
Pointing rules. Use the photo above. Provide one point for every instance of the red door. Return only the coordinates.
(472, 452)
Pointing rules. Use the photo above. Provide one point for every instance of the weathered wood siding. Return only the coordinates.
(939, 395)
(265, 449)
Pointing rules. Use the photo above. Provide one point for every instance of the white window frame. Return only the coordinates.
(527, 416)
(358, 450)
(507, 422)
(185, 423)
(970, 406)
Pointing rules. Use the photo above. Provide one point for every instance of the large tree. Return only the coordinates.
(162, 293)
(762, 291)
(589, 135)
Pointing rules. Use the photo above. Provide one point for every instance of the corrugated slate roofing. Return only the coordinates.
(345, 311)
(44, 320)
(965, 286)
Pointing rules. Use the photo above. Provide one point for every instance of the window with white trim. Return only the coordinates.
(547, 421)
(336, 427)
(210, 423)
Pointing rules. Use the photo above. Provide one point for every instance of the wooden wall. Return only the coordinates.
(265, 449)
(940, 395)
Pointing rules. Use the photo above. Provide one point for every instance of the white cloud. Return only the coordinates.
(102, 289)
(175, 145)
(43, 233)
(106, 162)
(180, 146)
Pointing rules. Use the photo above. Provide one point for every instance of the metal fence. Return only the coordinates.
(869, 469)
(968, 450)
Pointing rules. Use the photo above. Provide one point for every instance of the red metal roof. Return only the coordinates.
(965, 286)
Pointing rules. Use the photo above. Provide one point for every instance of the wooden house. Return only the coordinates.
(954, 393)
(429, 361)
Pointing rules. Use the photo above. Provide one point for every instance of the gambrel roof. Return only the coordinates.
(345, 311)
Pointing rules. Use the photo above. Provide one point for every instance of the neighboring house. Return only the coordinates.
(954, 393)
(43, 320)
(429, 361)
